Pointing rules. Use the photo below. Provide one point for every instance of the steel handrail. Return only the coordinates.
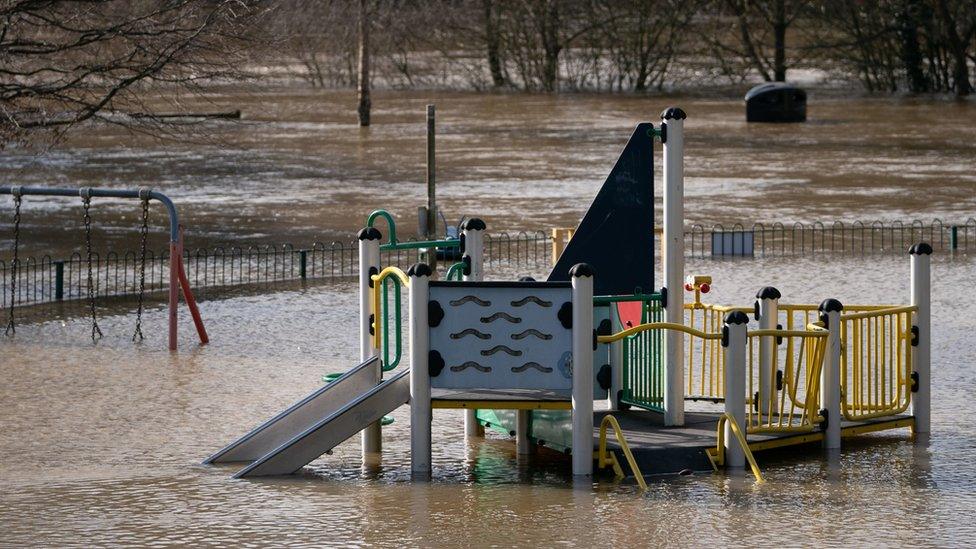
(604, 458)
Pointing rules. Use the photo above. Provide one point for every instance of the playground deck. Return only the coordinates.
(668, 450)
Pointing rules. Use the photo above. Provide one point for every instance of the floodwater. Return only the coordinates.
(297, 169)
(102, 443)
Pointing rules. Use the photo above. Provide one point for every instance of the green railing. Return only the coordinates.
(395, 244)
(389, 362)
(643, 371)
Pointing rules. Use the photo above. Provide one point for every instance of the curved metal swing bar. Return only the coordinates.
(94, 192)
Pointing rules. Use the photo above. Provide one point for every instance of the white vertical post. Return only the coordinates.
(473, 231)
(369, 264)
(672, 126)
(830, 310)
(734, 339)
(767, 302)
(922, 353)
(523, 445)
(582, 278)
(616, 361)
(420, 406)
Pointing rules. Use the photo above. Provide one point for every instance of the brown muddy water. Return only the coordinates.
(297, 169)
(102, 444)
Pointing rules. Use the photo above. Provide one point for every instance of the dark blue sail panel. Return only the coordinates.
(616, 235)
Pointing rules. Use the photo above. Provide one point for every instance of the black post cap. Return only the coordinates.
(582, 269)
(736, 317)
(473, 224)
(922, 248)
(370, 233)
(673, 113)
(768, 292)
(526, 279)
(831, 305)
(420, 269)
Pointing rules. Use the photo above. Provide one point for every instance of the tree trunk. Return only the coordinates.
(960, 69)
(364, 102)
(746, 37)
(911, 54)
(779, 36)
(493, 44)
(550, 45)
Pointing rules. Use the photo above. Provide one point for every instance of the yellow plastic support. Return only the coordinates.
(717, 456)
(605, 458)
(374, 305)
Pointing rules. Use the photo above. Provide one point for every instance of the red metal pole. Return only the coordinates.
(174, 269)
(191, 303)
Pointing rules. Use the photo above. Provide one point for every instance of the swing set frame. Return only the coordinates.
(177, 274)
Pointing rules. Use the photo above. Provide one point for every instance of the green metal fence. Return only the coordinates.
(643, 371)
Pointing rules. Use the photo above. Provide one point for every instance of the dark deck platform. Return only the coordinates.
(668, 450)
(501, 399)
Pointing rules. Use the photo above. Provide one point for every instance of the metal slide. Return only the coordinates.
(332, 430)
(296, 419)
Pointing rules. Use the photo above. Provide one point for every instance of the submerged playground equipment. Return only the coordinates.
(177, 275)
(530, 358)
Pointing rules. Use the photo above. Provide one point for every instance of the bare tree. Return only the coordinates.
(64, 62)
(758, 41)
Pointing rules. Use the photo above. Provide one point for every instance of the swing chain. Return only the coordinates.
(11, 329)
(144, 234)
(96, 331)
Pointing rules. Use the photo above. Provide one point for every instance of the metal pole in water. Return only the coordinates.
(582, 280)
(431, 186)
(830, 311)
(767, 303)
(734, 336)
(921, 255)
(420, 405)
(59, 280)
(672, 121)
(369, 264)
(473, 231)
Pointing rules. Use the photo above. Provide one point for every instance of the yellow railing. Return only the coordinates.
(606, 458)
(705, 374)
(659, 326)
(717, 455)
(789, 403)
(876, 362)
(374, 305)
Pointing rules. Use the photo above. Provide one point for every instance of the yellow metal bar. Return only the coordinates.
(602, 453)
(761, 445)
(787, 333)
(854, 430)
(877, 312)
(503, 404)
(720, 447)
(375, 301)
(657, 326)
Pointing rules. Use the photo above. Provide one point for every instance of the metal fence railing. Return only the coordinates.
(116, 274)
(837, 237)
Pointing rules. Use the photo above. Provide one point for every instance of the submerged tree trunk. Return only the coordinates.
(957, 48)
(364, 102)
(493, 45)
(551, 45)
(911, 54)
(779, 37)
